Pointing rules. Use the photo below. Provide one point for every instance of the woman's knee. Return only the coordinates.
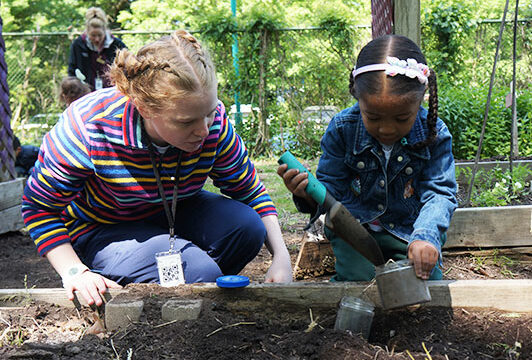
(198, 266)
(252, 232)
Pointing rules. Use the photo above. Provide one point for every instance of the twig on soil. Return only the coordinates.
(410, 355)
(5, 322)
(313, 322)
(114, 349)
(164, 324)
(377, 353)
(6, 331)
(35, 322)
(230, 326)
(426, 351)
(372, 282)
(268, 352)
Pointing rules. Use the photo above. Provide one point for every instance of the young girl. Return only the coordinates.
(125, 167)
(92, 52)
(71, 89)
(389, 161)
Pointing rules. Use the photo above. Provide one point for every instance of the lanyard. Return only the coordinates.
(169, 215)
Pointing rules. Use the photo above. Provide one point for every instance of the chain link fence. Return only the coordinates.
(296, 69)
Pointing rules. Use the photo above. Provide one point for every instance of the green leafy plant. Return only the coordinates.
(504, 263)
(497, 187)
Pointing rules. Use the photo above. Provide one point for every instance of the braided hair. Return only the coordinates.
(161, 72)
(373, 83)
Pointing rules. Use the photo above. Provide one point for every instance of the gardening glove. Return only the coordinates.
(424, 256)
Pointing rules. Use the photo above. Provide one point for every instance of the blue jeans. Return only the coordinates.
(215, 235)
(352, 266)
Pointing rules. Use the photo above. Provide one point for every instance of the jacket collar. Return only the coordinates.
(418, 133)
(131, 130)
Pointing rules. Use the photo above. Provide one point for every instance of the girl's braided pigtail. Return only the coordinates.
(432, 116)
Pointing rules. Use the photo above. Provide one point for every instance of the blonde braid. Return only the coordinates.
(170, 68)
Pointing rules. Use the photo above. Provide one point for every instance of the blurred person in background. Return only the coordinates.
(71, 89)
(93, 51)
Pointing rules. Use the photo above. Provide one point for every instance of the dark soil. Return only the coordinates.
(46, 332)
(277, 331)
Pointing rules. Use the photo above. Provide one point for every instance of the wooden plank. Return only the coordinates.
(502, 226)
(500, 251)
(506, 295)
(52, 296)
(315, 258)
(11, 219)
(11, 193)
(490, 165)
(407, 15)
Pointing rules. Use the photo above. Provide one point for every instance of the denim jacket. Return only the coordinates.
(413, 197)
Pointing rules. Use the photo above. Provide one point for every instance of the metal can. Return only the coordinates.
(399, 286)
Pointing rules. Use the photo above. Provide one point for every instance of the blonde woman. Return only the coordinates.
(101, 202)
(92, 52)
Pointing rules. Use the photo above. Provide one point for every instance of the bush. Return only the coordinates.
(462, 109)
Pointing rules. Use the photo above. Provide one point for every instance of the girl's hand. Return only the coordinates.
(280, 270)
(91, 286)
(424, 256)
(294, 181)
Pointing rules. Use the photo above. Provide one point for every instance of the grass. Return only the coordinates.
(281, 197)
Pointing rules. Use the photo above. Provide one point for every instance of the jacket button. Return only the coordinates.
(391, 225)
(399, 158)
(381, 183)
(409, 171)
(361, 165)
(380, 207)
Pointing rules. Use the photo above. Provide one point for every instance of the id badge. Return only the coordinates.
(170, 268)
(98, 83)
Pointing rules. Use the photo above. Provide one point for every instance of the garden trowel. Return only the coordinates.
(338, 218)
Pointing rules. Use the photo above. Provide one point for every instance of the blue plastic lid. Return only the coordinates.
(232, 281)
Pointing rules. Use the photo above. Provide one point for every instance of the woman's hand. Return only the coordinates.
(90, 285)
(77, 277)
(280, 270)
(424, 256)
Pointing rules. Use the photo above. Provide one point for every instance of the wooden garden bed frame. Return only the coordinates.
(10, 205)
(505, 295)
(490, 165)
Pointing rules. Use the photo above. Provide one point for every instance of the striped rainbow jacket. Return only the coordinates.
(93, 168)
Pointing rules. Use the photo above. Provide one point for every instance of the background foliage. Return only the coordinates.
(292, 54)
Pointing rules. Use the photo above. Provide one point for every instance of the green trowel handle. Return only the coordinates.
(314, 188)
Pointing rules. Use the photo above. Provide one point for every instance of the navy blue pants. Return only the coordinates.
(215, 235)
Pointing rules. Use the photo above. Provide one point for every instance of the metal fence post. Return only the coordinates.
(238, 114)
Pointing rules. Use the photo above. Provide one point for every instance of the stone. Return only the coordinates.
(119, 313)
(181, 309)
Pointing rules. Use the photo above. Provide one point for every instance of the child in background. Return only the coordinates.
(72, 88)
(389, 161)
(26, 157)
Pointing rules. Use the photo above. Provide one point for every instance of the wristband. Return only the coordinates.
(73, 272)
